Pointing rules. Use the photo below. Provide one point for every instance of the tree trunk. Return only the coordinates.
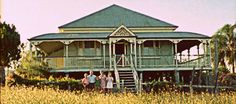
(2, 74)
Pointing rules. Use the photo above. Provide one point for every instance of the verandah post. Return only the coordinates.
(198, 56)
(66, 52)
(104, 53)
(135, 54)
(110, 54)
(131, 48)
(204, 51)
(176, 61)
(114, 50)
(188, 57)
(139, 51)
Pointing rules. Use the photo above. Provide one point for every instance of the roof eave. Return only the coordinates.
(174, 37)
(63, 39)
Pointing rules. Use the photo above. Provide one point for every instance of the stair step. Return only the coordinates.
(121, 77)
(126, 72)
(127, 80)
(126, 75)
(128, 83)
(130, 88)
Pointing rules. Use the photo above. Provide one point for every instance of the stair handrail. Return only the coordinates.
(135, 74)
(116, 72)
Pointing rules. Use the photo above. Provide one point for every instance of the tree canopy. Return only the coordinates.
(9, 42)
(29, 66)
(226, 37)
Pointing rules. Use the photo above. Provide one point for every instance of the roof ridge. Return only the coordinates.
(143, 14)
(118, 6)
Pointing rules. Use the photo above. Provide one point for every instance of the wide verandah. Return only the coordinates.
(148, 54)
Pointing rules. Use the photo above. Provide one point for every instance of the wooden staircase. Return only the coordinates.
(127, 81)
(126, 77)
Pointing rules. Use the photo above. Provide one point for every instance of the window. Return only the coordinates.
(148, 44)
(89, 44)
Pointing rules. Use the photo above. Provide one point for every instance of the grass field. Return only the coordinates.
(30, 95)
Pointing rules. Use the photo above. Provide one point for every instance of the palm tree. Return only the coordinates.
(226, 46)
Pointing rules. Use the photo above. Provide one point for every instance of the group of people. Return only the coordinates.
(102, 82)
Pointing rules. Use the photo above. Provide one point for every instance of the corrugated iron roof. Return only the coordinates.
(114, 16)
(172, 35)
(145, 35)
(64, 36)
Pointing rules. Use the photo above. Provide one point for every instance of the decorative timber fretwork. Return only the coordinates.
(35, 43)
(122, 31)
(66, 42)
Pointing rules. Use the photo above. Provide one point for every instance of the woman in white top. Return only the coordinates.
(109, 82)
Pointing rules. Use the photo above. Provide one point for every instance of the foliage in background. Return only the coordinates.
(30, 66)
(9, 43)
(63, 83)
(226, 50)
(228, 79)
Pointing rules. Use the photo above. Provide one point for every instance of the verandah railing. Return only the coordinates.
(77, 62)
(195, 60)
(122, 60)
(145, 61)
(158, 61)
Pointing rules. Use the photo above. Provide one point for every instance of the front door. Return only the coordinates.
(120, 54)
(120, 49)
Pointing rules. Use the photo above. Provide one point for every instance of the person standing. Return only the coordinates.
(85, 81)
(97, 84)
(109, 82)
(102, 78)
(92, 80)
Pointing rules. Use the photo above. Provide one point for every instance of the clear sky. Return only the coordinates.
(35, 17)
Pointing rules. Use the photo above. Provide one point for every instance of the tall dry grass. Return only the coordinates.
(31, 95)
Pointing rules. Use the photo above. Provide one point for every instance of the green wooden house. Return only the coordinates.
(132, 45)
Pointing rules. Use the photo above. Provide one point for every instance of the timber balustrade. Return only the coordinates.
(158, 61)
(116, 72)
(77, 62)
(145, 61)
(135, 74)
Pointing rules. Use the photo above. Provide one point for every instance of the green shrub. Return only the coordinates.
(228, 79)
(30, 66)
(159, 86)
(62, 83)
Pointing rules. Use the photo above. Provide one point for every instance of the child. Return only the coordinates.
(85, 81)
(97, 84)
(109, 82)
(102, 78)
